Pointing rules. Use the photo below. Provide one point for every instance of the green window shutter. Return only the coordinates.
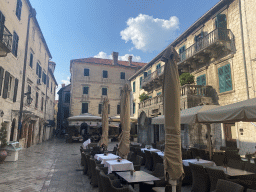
(198, 80)
(141, 78)
(134, 108)
(133, 87)
(15, 90)
(31, 60)
(1, 79)
(201, 80)
(6, 83)
(228, 79)
(108, 108)
(221, 80)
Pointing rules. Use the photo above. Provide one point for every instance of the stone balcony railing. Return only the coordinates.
(153, 80)
(5, 41)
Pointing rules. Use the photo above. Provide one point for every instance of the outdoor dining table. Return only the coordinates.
(103, 158)
(137, 178)
(151, 150)
(123, 165)
(198, 162)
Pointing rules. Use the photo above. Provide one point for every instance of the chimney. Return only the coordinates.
(115, 58)
(63, 85)
(130, 60)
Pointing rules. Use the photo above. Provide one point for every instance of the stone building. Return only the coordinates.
(25, 73)
(92, 79)
(219, 50)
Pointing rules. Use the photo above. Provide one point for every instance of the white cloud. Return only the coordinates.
(150, 34)
(104, 55)
(66, 82)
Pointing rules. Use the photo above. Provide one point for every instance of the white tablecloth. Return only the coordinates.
(87, 142)
(151, 150)
(103, 158)
(160, 154)
(114, 165)
(200, 162)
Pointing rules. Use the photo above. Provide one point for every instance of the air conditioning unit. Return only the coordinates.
(38, 81)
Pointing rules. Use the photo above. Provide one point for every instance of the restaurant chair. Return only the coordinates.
(237, 164)
(187, 180)
(224, 186)
(202, 154)
(149, 160)
(201, 181)
(85, 168)
(94, 179)
(156, 159)
(143, 145)
(131, 156)
(218, 158)
(113, 186)
(195, 153)
(142, 154)
(88, 172)
(105, 171)
(162, 147)
(137, 163)
(248, 181)
(96, 150)
(153, 145)
(215, 175)
(251, 190)
(159, 173)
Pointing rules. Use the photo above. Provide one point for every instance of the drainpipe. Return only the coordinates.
(31, 14)
(243, 51)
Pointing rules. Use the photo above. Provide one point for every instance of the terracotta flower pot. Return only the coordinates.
(3, 155)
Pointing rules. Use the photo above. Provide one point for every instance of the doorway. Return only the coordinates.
(12, 130)
(156, 133)
(230, 135)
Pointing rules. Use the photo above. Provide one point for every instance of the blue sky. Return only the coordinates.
(76, 29)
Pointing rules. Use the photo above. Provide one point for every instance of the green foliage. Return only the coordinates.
(143, 97)
(186, 78)
(3, 135)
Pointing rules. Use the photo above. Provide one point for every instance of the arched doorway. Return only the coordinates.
(12, 130)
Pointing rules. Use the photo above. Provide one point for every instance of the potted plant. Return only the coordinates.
(3, 135)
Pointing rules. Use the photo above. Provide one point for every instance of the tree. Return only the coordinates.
(186, 78)
(3, 135)
(143, 97)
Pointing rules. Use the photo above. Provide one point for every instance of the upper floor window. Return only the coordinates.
(15, 44)
(2, 18)
(149, 73)
(225, 80)
(158, 68)
(133, 108)
(100, 108)
(10, 86)
(133, 87)
(42, 104)
(18, 9)
(67, 98)
(221, 21)
(85, 90)
(122, 75)
(38, 70)
(145, 74)
(84, 107)
(40, 46)
(31, 60)
(51, 87)
(86, 72)
(108, 108)
(182, 52)
(141, 79)
(118, 109)
(104, 91)
(201, 80)
(36, 103)
(44, 78)
(47, 80)
(105, 74)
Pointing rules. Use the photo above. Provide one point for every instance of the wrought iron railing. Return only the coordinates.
(6, 37)
(158, 72)
(209, 39)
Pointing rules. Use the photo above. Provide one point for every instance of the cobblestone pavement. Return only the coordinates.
(51, 166)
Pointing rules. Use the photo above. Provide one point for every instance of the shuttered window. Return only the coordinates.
(105, 74)
(141, 79)
(201, 80)
(38, 70)
(118, 109)
(133, 86)
(18, 9)
(15, 43)
(15, 90)
(44, 78)
(36, 103)
(182, 53)
(31, 60)
(47, 81)
(108, 108)
(86, 72)
(1, 79)
(6, 84)
(104, 91)
(84, 107)
(42, 104)
(85, 90)
(133, 108)
(225, 80)
(122, 75)
(145, 74)
(100, 108)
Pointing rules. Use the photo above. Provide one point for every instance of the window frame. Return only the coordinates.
(85, 88)
(85, 108)
(105, 74)
(85, 74)
(104, 88)
(122, 75)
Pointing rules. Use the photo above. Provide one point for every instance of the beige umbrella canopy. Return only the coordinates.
(104, 137)
(117, 119)
(124, 145)
(171, 89)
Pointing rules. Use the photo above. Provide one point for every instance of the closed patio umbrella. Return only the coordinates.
(104, 137)
(124, 145)
(171, 89)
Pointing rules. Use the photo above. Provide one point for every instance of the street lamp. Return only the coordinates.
(29, 98)
(2, 113)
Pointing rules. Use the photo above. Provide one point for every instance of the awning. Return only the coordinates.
(117, 119)
(187, 116)
(84, 117)
(240, 111)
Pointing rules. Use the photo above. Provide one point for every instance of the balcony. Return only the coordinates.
(5, 41)
(212, 45)
(191, 96)
(153, 80)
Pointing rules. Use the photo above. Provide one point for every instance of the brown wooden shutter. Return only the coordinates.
(15, 90)
(1, 79)
(6, 82)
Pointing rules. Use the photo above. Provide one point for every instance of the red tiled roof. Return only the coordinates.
(109, 62)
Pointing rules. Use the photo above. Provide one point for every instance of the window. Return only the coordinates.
(29, 89)
(47, 80)
(31, 60)
(15, 44)
(67, 98)
(10, 86)
(141, 79)
(85, 90)
(133, 86)
(225, 81)
(100, 108)
(2, 19)
(1, 79)
(84, 107)
(182, 52)
(104, 91)
(86, 72)
(158, 68)
(201, 80)
(38, 70)
(105, 74)
(18, 9)
(42, 104)
(149, 73)
(122, 75)
(36, 103)
(118, 109)
(159, 93)
(44, 78)
(133, 108)
(221, 21)
(108, 108)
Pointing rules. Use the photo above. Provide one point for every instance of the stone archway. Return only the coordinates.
(12, 129)
(143, 129)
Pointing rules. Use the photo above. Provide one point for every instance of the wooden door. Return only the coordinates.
(230, 136)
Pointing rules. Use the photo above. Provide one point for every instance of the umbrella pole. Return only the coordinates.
(209, 140)
(174, 184)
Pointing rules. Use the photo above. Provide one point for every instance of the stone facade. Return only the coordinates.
(92, 79)
(20, 20)
(215, 43)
